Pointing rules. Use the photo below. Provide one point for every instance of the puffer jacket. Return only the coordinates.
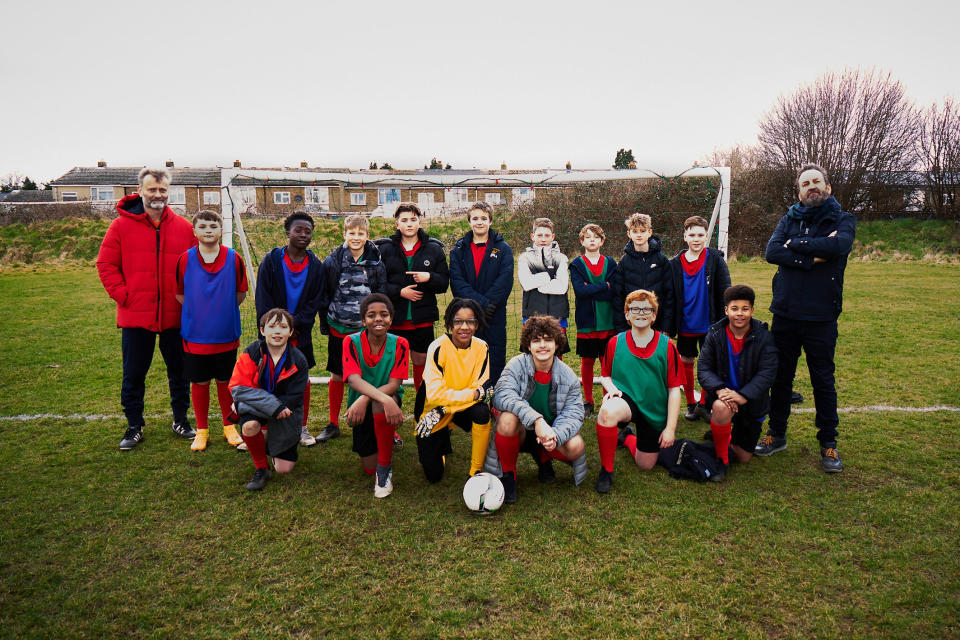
(649, 270)
(430, 257)
(137, 265)
(758, 365)
(515, 387)
(718, 280)
(349, 282)
(250, 397)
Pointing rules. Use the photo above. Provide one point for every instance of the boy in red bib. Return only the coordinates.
(211, 284)
(642, 378)
(374, 365)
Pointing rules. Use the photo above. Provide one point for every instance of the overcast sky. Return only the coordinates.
(341, 84)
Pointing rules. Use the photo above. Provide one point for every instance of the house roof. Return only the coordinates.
(127, 176)
(31, 195)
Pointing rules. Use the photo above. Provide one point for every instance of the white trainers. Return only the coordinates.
(306, 440)
(386, 489)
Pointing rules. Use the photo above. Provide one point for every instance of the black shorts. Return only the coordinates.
(592, 347)
(648, 437)
(437, 445)
(335, 354)
(213, 366)
(419, 339)
(746, 427)
(364, 435)
(689, 346)
(287, 454)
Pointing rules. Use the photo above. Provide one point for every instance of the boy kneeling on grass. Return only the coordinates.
(737, 367)
(541, 408)
(211, 284)
(267, 386)
(374, 365)
(643, 380)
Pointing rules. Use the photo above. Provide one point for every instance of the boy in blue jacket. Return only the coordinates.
(481, 269)
(292, 278)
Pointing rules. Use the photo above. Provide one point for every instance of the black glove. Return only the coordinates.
(489, 311)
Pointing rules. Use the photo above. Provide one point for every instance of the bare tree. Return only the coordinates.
(859, 125)
(938, 154)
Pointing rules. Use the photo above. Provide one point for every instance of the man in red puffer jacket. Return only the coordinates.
(137, 264)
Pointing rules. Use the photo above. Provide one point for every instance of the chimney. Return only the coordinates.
(569, 166)
(169, 164)
(237, 164)
(303, 164)
(101, 163)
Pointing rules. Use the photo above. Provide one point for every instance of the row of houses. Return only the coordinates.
(289, 189)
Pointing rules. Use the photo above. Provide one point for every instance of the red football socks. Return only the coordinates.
(224, 399)
(689, 382)
(722, 434)
(418, 375)
(257, 446)
(607, 443)
(384, 433)
(336, 399)
(200, 394)
(630, 442)
(306, 403)
(586, 375)
(508, 448)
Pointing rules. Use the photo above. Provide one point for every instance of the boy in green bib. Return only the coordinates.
(642, 376)
(374, 365)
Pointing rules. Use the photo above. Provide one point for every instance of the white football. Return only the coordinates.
(483, 493)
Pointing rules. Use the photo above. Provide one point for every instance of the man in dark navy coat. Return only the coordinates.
(810, 246)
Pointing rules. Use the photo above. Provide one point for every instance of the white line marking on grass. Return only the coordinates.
(873, 408)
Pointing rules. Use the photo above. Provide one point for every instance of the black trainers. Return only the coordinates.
(545, 472)
(830, 459)
(183, 429)
(704, 412)
(795, 398)
(720, 474)
(509, 482)
(691, 413)
(259, 480)
(131, 438)
(622, 436)
(604, 481)
(330, 432)
(587, 409)
(770, 444)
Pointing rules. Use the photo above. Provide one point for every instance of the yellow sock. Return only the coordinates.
(480, 434)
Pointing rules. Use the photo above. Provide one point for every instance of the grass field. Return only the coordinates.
(161, 542)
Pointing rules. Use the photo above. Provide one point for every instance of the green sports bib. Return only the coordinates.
(643, 379)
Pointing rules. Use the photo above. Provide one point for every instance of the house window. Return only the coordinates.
(281, 197)
(387, 196)
(458, 195)
(317, 195)
(178, 195)
(248, 196)
(211, 197)
(425, 201)
(358, 199)
(492, 198)
(68, 196)
(101, 193)
(522, 194)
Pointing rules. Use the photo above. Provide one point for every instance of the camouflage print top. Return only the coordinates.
(350, 281)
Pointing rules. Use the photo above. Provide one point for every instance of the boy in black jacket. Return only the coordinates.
(292, 278)
(417, 272)
(738, 364)
(700, 276)
(644, 266)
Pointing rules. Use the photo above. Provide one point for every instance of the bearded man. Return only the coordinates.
(137, 264)
(810, 247)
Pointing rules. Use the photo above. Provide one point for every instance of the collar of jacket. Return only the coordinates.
(653, 246)
(128, 202)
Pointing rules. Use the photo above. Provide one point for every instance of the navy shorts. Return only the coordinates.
(207, 367)
(689, 346)
(419, 339)
(648, 437)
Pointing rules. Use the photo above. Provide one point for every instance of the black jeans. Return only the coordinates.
(138, 345)
(818, 341)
